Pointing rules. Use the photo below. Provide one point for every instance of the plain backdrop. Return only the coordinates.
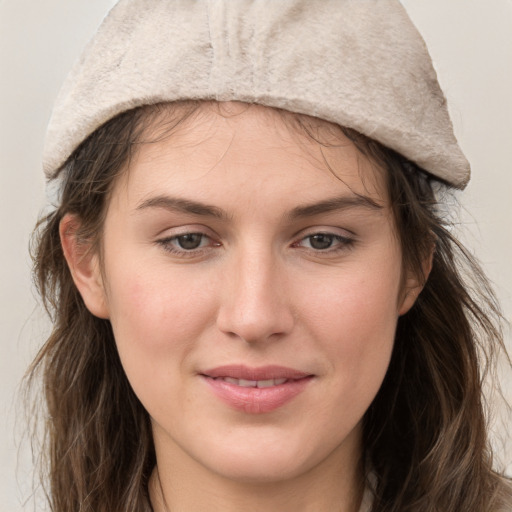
(471, 44)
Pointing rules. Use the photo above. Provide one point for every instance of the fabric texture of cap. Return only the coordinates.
(358, 63)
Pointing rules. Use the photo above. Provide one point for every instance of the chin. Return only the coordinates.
(257, 469)
(268, 460)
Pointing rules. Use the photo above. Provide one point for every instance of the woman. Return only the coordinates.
(256, 303)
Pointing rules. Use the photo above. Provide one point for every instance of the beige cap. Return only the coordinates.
(358, 63)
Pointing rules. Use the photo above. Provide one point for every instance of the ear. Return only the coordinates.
(84, 266)
(414, 284)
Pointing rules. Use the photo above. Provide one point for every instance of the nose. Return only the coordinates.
(255, 306)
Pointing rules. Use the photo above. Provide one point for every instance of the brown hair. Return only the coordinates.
(425, 434)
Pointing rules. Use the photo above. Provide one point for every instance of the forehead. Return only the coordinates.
(221, 146)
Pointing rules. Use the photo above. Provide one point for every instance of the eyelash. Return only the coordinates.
(168, 244)
(344, 243)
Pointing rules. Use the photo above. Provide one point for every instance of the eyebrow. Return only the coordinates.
(184, 206)
(196, 208)
(335, 204)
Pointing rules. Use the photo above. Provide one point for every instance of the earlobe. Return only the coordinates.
(415, 284)
(84, 266)
(408, 300)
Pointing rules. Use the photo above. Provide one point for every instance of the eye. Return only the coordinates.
(325, 242)
(187, 243)
(321, 241)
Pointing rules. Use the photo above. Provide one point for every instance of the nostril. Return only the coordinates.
(266, 328)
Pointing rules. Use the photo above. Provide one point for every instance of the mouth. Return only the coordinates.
(256, 390)
(266, 383)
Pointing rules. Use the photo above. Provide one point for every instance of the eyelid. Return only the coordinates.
(343, 239)
(325, 230)
(166, 241)
(184, 229)
(346, 240)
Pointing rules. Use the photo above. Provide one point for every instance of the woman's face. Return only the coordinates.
(253, 281)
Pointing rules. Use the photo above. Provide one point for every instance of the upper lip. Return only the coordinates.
(239, 371)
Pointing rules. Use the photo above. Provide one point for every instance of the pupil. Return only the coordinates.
(190, 240)
(321, 241)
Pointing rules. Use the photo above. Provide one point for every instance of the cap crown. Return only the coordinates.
(358, 63)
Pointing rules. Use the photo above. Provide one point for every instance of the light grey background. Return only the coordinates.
(471, 43)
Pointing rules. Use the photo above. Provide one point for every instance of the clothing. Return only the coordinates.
(367, 501)
(359, 64)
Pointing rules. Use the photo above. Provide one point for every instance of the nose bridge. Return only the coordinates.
(255, 305)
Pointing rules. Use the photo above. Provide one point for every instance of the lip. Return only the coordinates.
(254, 400)
(240, 371)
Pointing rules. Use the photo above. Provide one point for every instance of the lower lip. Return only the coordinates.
(257, 400)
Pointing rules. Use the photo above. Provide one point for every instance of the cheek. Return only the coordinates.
(357, 305)
(157, 317)
(354, 316)
(150, 305)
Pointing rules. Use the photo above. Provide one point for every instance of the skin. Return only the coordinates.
(256, 291)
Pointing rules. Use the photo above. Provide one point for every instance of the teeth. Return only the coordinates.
(266, 383)
(254, 383)
(247, 383)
